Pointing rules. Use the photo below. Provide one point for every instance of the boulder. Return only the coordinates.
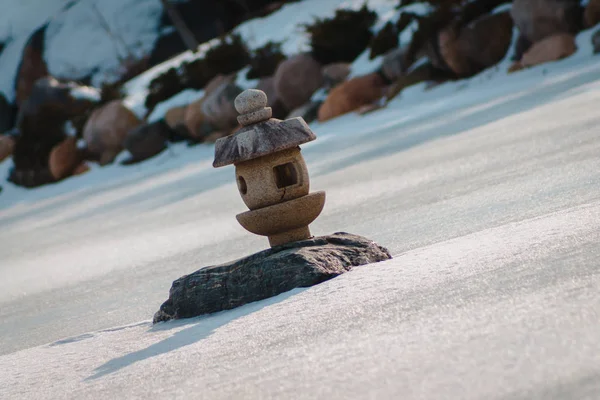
(552, 48)
(393, 65)
(7, 145)
(32, 67)
(309, 111)
(8, 112)
(267, 85)
(146, 141)
(64, 159)
(195, 121)
(218, 106)
(43, 123)
(175, 118)
(485, 41)
(106, 129)
(267, 274)
(336, 73)
(538, 19)
(596, 41)
(351, 95)
(470, 49)
(296, 79)
(591, 15)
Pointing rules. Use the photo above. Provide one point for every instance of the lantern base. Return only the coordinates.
(284, 222)
(290, 236)
(268, 273)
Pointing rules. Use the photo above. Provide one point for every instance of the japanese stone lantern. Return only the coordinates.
(271, 173)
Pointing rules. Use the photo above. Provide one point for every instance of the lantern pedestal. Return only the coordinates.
(268, 273)
(284, 222)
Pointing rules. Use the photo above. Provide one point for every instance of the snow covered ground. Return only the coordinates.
(84, 38)
(486, 191)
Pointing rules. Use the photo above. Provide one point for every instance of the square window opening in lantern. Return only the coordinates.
(285, 175)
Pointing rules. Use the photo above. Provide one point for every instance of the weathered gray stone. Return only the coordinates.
(596, 42)
(261, 139)
(267, 274)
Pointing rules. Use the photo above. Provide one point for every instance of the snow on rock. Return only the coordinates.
(85, 93)
(92, 37)
(284, 25)
(17, 22)
(180, 99)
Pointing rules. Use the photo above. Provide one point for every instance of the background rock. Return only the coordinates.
(351, 95)
(296, 79)
(267, 274)
(336, 73)
(393, 65)
(146, 141)
(596, 41)
(64, 158)
(267, 85)
(309, 111)
(8, 113)
(33, 66)
(552, 48)
(107, 128)
(591, 15)
(42, 123)
(7, 145)
(218, 107)
(538, 19)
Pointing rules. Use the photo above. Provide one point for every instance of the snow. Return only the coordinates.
(485, 191)
(180, 99)
(84, 37)
(93, 37)
(283, 26)
(85, 93)
(17, 23)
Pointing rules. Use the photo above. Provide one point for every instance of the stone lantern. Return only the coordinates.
(271, 173)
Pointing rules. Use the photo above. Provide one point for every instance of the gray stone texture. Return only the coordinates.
(261, 139)
(267, 274)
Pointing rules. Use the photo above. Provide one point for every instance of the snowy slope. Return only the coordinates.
(485, 190)
(84, 37)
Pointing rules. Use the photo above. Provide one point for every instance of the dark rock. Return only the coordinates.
(264, 60)
(8, 113)
(41, 124)
(393, 65)
(32, 67)
(308, 112)
(267, 274)
(596, 41)
(384, 41)
(146, 141)
(342, 37)
(207, 19)
(592, 13)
